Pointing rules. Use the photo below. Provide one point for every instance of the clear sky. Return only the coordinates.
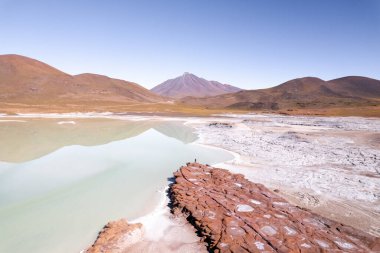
(250, 44)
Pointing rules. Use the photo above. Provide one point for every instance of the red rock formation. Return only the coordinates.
(233, 214)
(116, 237)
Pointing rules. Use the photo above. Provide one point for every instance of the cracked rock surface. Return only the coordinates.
(233, 214)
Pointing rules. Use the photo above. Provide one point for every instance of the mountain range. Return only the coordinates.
(25, 80)
(189, 85)
(27, 83)
(307, 92)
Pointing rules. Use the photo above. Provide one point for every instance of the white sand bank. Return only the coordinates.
(329, 165)
(162, 232)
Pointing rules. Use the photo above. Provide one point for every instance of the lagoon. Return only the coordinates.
(62, 180)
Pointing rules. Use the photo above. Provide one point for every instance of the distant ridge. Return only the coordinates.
(28, 85)
(306, 92)
(191, 85)
(29, 81)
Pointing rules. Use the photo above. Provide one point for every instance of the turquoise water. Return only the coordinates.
(57, 199)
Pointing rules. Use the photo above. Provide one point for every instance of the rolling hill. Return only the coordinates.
(190, 85)
(307, 92)
(28, 81)
(28, 85)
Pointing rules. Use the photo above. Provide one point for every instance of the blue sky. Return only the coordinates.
(250, 44)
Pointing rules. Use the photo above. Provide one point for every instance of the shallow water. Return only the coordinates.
(60, 183)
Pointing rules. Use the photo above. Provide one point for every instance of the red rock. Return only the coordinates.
(233, 214)
(116, 237)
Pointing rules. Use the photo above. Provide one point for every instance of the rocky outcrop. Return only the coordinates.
(116, 237)
(233, 214)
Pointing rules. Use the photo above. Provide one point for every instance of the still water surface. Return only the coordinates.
(61, 182)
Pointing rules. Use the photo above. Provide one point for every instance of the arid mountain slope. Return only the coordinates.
(356, 86)
(308, 92)
(191, 85)
(25, 80)
(28, 85)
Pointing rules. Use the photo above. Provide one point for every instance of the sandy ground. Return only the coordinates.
(328, 165)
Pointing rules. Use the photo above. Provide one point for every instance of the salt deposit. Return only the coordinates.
(315, 162)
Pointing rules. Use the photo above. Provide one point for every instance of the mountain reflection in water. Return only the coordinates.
(29, 139)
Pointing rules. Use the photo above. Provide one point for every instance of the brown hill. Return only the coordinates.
(308, 92)
(191, 85)
(356, 86)
(28, 85)
(28, 81)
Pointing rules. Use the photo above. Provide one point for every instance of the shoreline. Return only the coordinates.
(238, 164)
(131, 115)
(158, 224)
(159, 219)
(159, 232)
